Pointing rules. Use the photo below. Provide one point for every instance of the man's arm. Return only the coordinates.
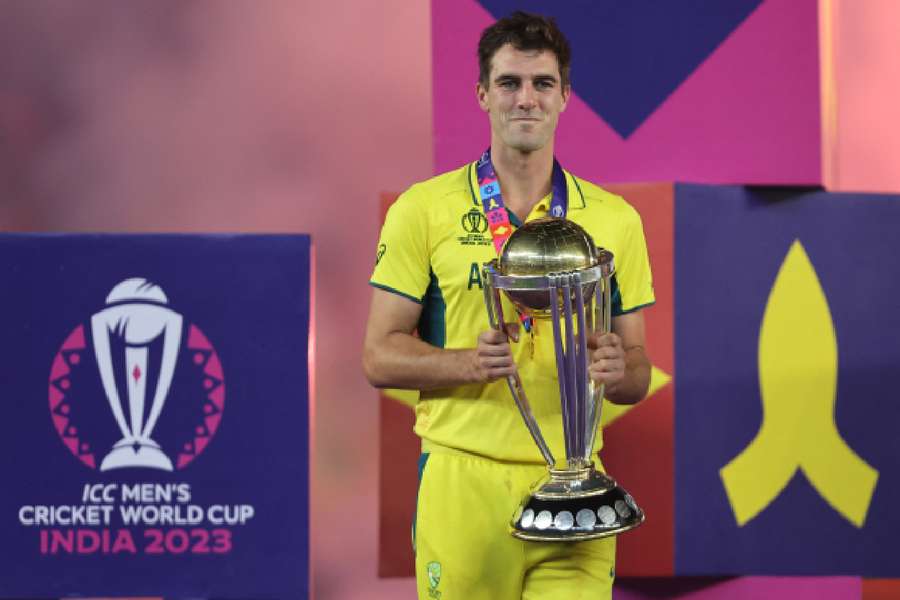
(619, 360)
(394, 357)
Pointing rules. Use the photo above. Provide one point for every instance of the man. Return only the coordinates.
(478, 459)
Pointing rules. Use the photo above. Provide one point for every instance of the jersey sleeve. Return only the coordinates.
(633, 267)
(402, 263)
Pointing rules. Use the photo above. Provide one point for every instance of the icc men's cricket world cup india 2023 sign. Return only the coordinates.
(550, 268)
(136, 341)
(158, 421)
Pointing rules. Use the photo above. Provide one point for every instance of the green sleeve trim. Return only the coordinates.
(388, 288)
(475, 199)
(423, 459)
(635, 309)
(433, 320)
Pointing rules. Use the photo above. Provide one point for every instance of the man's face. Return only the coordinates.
(524, 97)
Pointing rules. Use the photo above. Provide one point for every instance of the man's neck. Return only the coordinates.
(524, 177)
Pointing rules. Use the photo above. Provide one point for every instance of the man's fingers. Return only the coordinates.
(500, 369)
(500, 349)
(606, 353)
(496, 372)
(497, 361)
(494, 354)
(492, 336)
(607, 366)
(603, 340)
(608, 339)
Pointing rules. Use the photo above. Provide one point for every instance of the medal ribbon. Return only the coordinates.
(495, 210)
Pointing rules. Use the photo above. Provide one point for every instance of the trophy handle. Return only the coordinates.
(494, 307)
(582, 377)
(602, 316)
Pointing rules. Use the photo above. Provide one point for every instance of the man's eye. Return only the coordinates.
(508, 84)
(544, 85)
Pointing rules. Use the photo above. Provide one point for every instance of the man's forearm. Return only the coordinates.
(404, 361)
(633, 387)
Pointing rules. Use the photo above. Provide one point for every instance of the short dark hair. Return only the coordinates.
(525, 31)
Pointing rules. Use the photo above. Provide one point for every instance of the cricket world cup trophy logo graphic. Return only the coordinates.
(147, 361)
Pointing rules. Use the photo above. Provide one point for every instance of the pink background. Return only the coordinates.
(245, 115)
(860, 95)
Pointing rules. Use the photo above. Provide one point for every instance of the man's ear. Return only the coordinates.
(566, 94)
(481, 93)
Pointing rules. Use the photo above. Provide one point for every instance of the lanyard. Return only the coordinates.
(495, 210)
(492, 200)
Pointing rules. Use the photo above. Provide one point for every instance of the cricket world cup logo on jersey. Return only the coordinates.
(135, 385)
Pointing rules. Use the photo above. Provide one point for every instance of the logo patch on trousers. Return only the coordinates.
(433, 570)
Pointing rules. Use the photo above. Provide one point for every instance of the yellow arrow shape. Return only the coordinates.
(798, 366)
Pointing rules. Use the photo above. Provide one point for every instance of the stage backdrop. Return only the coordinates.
(714, 92)
(154, 417)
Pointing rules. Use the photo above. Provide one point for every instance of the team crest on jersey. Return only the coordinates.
(475, 225)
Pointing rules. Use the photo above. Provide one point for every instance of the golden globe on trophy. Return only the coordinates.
(550, 268)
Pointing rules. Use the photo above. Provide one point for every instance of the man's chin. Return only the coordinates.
(526, 145)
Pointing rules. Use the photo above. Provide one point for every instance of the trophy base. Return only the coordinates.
(573, 505)
(133, 453)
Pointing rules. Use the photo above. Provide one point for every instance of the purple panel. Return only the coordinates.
(730, 244)
(621, 43)
(211, 500)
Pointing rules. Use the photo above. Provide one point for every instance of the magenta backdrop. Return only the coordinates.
(748, 114)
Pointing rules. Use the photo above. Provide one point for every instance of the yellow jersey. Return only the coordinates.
(433, 245)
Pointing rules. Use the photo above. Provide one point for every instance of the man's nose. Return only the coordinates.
(527, 98)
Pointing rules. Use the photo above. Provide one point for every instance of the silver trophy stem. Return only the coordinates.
(555, 291)
(574, 427)
(495, 318)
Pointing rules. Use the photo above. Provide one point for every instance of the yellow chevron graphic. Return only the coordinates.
(407, 397)
(798, 366)
(612, 412)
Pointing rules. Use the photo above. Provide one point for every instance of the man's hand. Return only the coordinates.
(492, 358)
(607, 360)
